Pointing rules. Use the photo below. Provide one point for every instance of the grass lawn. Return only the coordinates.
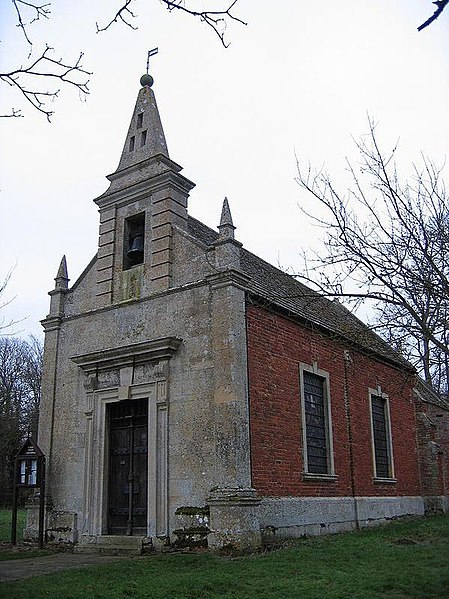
(5, 524)
(6, 552)
(399, 560)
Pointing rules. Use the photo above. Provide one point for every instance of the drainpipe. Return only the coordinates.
(347, 362)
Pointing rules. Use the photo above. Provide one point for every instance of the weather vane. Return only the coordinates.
(151, 53)
(147, 80)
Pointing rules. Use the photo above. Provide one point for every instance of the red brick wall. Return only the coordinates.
(276, 346)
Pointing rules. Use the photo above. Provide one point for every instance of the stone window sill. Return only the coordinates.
(384, 481)
(328, 478)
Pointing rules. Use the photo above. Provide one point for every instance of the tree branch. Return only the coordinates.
(44, 66)
(123, 12)
(441, 5)
(215, 19)
(39, 10)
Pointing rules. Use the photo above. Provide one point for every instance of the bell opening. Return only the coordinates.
(134, 246)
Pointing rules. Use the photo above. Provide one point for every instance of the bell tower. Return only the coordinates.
(146, 197)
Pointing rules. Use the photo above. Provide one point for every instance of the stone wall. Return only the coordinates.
(290, 517)
(433, 445)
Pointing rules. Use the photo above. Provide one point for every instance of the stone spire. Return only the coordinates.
(145, 137)
(227, 248)
(148, 188)
(62, 278)
(58, 295)
(226, 227)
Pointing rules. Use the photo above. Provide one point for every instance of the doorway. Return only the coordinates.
(128, 467)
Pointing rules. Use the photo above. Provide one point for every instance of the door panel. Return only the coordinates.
(128, 467)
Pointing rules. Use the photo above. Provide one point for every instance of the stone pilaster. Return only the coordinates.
(233, 503)
(105, 256)
(169, 208)
(52, 326)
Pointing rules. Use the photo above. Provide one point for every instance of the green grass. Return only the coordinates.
(9, 554)
(401, 560)
(6, 552)
(5, 524)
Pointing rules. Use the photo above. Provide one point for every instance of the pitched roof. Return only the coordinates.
(282, 290)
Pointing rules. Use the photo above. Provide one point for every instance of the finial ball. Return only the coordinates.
(146, 80)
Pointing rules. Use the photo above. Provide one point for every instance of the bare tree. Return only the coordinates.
(20, 383)
(40, 77)
(5, 324)
(388, 242)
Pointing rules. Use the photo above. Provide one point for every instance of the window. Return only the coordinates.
(140, 120)
(134, 241)
(318, 454)
(28, 472)
(143, 138)
(381, 435)
(132, 141)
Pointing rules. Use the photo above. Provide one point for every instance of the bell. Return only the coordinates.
(135, 252)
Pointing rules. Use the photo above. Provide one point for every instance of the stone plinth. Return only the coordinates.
(234, 520)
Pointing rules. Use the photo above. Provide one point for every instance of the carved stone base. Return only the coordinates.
(234, 520)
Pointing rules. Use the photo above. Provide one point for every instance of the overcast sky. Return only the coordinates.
(301, 77)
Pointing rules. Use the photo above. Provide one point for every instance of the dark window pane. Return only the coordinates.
(315, 423)
(381, 450)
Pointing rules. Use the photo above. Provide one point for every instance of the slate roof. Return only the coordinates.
(298, 300)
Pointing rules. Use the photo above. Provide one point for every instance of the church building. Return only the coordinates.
(193, 394)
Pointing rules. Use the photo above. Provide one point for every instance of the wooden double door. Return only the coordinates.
(128, 467)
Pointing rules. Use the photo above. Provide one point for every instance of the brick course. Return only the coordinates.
(276, 347)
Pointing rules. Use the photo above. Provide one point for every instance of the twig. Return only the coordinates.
(66, 73)
(215, 19)
(441, 5)
(40, 10)
(119, 16)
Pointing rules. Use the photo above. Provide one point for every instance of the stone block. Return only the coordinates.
(234, 518)
(160, 257)
(105, 250)
(161, 230)
(160, 270)
(106, 238)
(104, 287)
(107, 214)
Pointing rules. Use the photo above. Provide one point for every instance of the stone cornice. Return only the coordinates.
(148, 182)
(148, 298)
(224, 240)
(51, 323)
(155, 349)
(227, 277)
(158, 158)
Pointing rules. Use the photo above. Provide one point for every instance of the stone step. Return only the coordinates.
(111, 545)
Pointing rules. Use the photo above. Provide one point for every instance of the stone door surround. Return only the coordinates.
(137, 371)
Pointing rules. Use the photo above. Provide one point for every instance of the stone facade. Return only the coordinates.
(433, 448)
(178, 345)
